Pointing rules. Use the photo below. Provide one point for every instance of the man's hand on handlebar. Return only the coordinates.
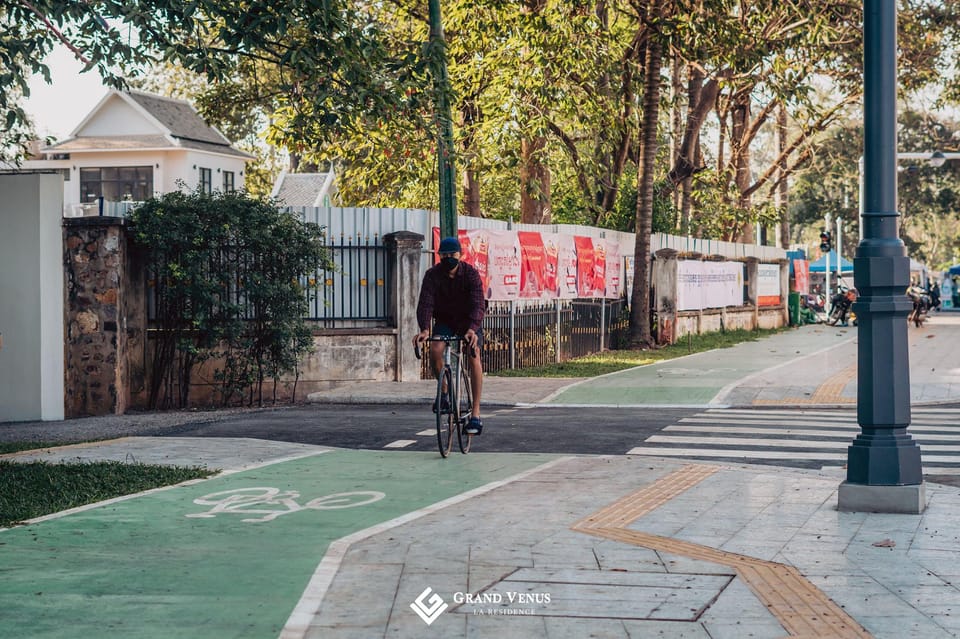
(420, 338)
(471, 338)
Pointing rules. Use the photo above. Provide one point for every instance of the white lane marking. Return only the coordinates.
(925, 434)
(746, 454)
(298, 624)
(425, 433)
(401, 443)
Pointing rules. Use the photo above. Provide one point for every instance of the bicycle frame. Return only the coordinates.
(453, 383)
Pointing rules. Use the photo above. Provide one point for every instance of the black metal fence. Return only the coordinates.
(352, 294)
(524, 335)
(355, 293)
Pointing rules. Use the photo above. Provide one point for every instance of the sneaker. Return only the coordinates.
(474, 426)
(444, 405)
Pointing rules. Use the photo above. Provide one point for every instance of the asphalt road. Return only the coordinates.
(600, 431)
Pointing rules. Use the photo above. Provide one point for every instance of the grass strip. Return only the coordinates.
(617, 360)
(33, 489)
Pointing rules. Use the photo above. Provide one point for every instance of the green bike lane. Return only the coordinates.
(704, 379)
(226, 557)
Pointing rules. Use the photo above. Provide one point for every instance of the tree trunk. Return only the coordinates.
(740, 157)
(676, 128)
(470, 117)
(534, 182)
(782, 188)
(640, 335)
(692, 143)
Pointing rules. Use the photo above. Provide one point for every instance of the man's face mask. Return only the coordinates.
(449, 262)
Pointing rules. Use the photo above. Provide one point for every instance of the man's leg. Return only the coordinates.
(476, 382)
(436, 357)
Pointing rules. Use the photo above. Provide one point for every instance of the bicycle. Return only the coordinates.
(454, 391)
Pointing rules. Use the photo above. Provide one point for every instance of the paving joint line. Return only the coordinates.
(801, 608)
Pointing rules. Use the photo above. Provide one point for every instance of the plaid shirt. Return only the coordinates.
(455, 301)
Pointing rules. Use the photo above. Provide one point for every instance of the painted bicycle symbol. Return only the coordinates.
(272, 502)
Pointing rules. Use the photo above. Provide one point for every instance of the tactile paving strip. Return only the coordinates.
(829, 392)
(802, 609)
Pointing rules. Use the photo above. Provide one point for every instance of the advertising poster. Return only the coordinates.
(614, 271)
(567, 270)
(551, 264)
(475, 245)
(532, 256)
(504, 265)
(768, 285)
(585, 273)
(801, 276)
(599, 267)
(709, 285)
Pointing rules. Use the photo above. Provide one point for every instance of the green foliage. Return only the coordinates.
(34, 489)
(226, 269)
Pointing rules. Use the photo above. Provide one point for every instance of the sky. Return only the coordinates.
(59, 107)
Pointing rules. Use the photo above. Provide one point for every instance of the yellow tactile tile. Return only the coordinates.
(802, 609)
(829, 392)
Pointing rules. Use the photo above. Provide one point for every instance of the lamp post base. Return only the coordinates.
(907, 500)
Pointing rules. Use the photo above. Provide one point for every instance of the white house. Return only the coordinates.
(135, 145)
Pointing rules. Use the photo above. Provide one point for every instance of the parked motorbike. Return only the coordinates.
(840, 307)
(922, 303)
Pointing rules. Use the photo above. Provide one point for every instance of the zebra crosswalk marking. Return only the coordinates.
(801, 435)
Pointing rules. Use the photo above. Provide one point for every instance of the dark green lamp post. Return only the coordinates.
(884, 473)
(445, 158)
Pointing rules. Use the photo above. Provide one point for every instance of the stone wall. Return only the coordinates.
(104, 316)
(108, 346)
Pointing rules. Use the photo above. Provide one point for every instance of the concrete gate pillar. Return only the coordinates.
(31, 297)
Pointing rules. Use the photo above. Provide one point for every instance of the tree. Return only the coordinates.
(329, 59)
(224, 293)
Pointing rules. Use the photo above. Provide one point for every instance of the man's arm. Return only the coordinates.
(478, 302)
(425, 303)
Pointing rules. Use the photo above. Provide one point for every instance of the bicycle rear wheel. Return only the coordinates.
(464, 408)
(836, 315)
(446, 420)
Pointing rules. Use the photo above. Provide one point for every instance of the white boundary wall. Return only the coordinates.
(368, 222)
(31, 297)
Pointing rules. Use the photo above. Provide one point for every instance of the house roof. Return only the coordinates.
(303, 189)
(176, 123)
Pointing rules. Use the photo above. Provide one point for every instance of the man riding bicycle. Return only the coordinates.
(452, 296)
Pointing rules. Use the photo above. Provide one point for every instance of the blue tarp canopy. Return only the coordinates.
(820, 265)
(954, 270)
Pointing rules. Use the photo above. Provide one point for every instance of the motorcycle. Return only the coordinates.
(840, 307)
(922, 303)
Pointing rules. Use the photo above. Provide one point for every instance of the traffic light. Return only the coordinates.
(825, 244)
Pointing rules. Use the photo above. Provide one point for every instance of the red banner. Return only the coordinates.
(551, 263)
(801, 276)
(532, 264)
(584, 246)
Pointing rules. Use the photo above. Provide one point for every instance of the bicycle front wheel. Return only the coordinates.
(446, 420)
(464, 408)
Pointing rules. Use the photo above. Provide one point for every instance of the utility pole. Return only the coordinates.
(445, 158)
(884, 472)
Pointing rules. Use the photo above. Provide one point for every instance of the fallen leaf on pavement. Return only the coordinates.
(886, 543)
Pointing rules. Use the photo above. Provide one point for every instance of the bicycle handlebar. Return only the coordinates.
(448, 339)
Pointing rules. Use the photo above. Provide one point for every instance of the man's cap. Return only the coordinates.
(449, 245)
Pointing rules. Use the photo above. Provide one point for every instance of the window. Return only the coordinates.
(116, 184)
(228, 182)
(206, 180)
